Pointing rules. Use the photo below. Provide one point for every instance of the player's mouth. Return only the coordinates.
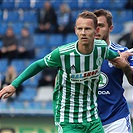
(84, 38)
(98, 36)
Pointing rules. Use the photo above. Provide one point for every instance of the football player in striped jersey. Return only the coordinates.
(76, 89)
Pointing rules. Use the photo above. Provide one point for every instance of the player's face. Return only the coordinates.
(104, 29)
(85, 30)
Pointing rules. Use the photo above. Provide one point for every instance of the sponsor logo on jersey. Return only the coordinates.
(103, 93)
(79, 77)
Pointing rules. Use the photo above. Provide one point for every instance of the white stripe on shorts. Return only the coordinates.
(120, 126)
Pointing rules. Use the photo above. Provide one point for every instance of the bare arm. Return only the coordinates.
(129, 74)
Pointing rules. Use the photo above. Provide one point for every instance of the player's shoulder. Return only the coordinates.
(115, 46)
(67, 47)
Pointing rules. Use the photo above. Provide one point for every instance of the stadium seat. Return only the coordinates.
(3, 68)
(32, 82)
(70, 38)
(31, 26)
(118, 28)
(41, 52)
(24, 4)
(19, 65)
(74, 15)
(125, 16)
(1, 44)
(17, 27)
(27, 95)
(16, 105)
(3, 105)
(38, 4)
(12, 16)
(86, 5)
(3, 27)
(117, 4)
(40, 40)
(29, 61)
(102, 4)
(55, 40)
(34, 105)
(115, 14)
(3, 65)
(74, 4)
(29, 16)
(1, 16)
(7, 4)
(44, 94)
(49, 105)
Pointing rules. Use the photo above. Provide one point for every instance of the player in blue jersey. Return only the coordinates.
(112, 105)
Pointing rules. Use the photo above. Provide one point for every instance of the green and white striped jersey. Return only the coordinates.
(75, 93)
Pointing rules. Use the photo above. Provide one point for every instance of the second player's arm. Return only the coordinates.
(122, 63)
(129, 73)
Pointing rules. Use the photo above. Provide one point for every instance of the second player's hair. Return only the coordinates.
(106, 13)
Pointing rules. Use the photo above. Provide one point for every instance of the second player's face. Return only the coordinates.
(104, 29)
(85, 30)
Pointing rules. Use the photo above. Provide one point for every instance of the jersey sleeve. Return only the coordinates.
(53, 59)
(110, 54)
(50, 60)
(30, 71)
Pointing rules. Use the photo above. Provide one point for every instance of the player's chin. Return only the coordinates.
(98, 38)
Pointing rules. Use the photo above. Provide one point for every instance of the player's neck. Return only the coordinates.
(108, 41)
(85, 49)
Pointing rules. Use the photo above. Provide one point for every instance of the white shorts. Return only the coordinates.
(120, 126)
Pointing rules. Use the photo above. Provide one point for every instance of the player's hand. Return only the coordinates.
(7, 91)
(125, 54)
(121, 61)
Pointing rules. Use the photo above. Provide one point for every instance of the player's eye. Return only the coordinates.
(87, 28)
(79, 29)
(101, 25)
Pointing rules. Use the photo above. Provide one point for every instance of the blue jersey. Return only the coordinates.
(111, 103)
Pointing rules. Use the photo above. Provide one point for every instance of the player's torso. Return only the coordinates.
(110, 93)
(77, 88)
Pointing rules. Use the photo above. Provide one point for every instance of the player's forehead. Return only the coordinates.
(102, 19)
(84, 22)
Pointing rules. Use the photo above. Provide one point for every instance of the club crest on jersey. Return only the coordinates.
(103, 80)
(85, 76)
(99, 61)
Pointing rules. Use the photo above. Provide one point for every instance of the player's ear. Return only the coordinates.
(111, 28)
(75, 30)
